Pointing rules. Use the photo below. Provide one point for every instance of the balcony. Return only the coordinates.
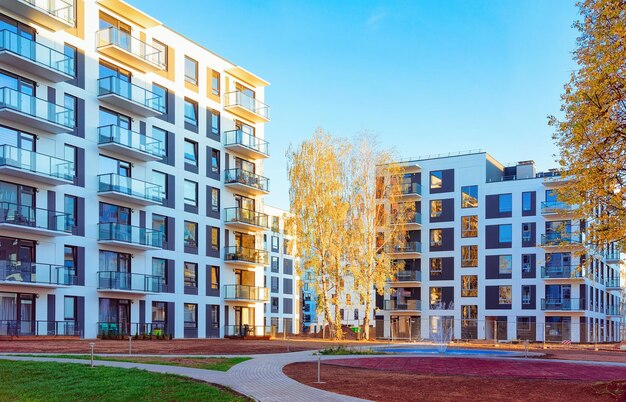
(246, 293)
(403, 305)
(126, 282)
(130, 143)
(245, 256)
(33, 221)
(129, 50)
(411, 190)
(562, 272)
(613, 284)
(414, 220)
(242, 180)
(408, 250)
(613, 257)
(562, 304)
(560, 240)
(34, 113)
(130, 97)
(613, 310)
(246, 144)
(127, 236)
(18, 328)
(127, 189)
(35, 275)
(34, 58)
(247, 107)
(406, 278)
(56, 15)
(245, 219)
(556, 207)
(34, 166)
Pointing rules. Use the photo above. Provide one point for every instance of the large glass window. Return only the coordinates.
(505, 233)
(161, 93)
(159, 222)
(436, 179)
(215, 82)
(191, 112)
(69, 308)
(504, 203)
(159, 269)
(505, 265)
(436, 301)
(71, 207)
(160, 135)
(215, 277)
(527, 201)
(215, 122)
(215, 161)
(70, 52)
(469, 285)
(275, 263)
(469, 226)
(70, 102)
(527, 233)
(469, 196)
(469, 256)
(526, 294)
(215, 239)
(160, 179)
(191, 315)
(504, 294)
(436, 266)
(191, 193)
(215, 199)
(190, 234)
(191, 275)
(191, 70)
(436, 237)
(191, 153)
(158, 312)
(527, 263)
(436, 208)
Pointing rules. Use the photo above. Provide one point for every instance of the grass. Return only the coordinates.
(46, 381)
(342, 351)
(205, 363)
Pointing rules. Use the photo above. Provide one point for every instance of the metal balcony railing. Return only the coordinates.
(563, 304)
(238, 137)
(232, 176)
(34, 162)
(246, 216)
(244, 254)
(398, 305)
(36, 52)
(411, 189)
(36, 273)
(131, 139)
(112, 36)
(408, 276)
(110, 231)
(134, 93)
(246, 292)
(613, 283)
(35, 107)
(37, 218)
(238, 98)
(39, 328)
(561, 272)
(551, 207)
(408, 247)
(556, 239)
(111, 280)
(131, 187)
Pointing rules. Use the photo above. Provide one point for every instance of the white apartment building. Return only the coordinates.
(492, 254)
(131, 178)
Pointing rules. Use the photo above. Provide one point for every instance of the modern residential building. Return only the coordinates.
(131, 178)
(282, 313)
(492, 254)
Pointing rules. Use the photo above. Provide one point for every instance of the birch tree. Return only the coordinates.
(318, 217)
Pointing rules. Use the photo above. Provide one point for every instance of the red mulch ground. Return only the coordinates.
(448, 379)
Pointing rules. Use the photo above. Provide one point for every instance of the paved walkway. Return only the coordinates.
(262, 376)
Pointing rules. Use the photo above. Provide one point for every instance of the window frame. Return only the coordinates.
(194, 323)
(437, 174)
(504, 300)
(192, 79)
(469, 226)
(190, 281)
(186, 232)
(467, 194)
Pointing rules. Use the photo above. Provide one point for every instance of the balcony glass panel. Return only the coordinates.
(22, 215)
(563, 304)
(409, 247)
(112, 36)
(561, 271)
(37, 163)
(246, 292)
(247, 178)
(34, 272)
(555, 206)
(131, 139)
(238, 137)
(553, 239)
(130, 234)
(128, 281)
(61, 9)
(411, 188)
(402, 304)
(238, 98)
(134, 93)
(129, 186)
(246, 216)
(408, 276)
(36, 52)
(251, 255)
(35, 107)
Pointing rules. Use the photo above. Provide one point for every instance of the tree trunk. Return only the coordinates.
(366, 313)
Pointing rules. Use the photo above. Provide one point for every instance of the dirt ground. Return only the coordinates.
(397, 386)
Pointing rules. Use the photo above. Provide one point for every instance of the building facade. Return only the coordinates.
(492, 254)
(131, 178)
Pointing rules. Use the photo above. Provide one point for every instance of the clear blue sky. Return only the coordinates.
(425, 76)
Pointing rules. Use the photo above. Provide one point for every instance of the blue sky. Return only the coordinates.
(424, 76)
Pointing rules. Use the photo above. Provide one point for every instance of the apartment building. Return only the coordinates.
(492, 254)
(131, 178)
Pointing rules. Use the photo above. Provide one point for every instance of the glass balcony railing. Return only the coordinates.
(123, 40)
(60, 9)
(550, 207)
(238, 98)
(246, 292)
(36, 52)
(110, 231)
(134, 93)
(131, 187)
(408, 276)
(414, 218)
(408, 247)
(613, 256)
(411, 189)
(232, 176)
(244, 254)
(111, 280)
(246, 216)
(612, 310)
(36, 218)
(35, 107)
(561, 272)
(563, 304)
(555, 239)
(36, 273)
(238, 137)
(37, 163)
(394, 305)
(131, 139)
(613, 283)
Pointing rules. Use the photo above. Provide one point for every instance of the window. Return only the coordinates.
(158, 312)
(436, 179)
(191, 275)
(505, 264)
(191, 153)
(527, 264)
(215, 277)
(526, 294)
(191, 234)
(504, 233)
(160, 100)
(469, 256)
(163, 51)
(527, 201)
(469, 286)
(215, 83)
(275, 243)
(70, 52)
(215, 199)
(275, 224)
(70, 207)
(160, 179)
(274, 284)
(215, 239)
(159, 223)
(527, 233)
(356, 313)
(159, 269)
(469, 312)
(504, 293)
(191, 71)
(70, 103)
(191, 315)
(70, 260)
(287, 246)
(504, 203)
(436, 266)
(524, 323)
(191, 193)
(436, 298)
(275, 263)
(70, 156)
(348, 299)
(436, 237)
(215, 122)
(469, 226)
(274, 304)
(191, 112)
(160, 135)
(215, 161)
(436, 208)
(69, 308)
(469, 196)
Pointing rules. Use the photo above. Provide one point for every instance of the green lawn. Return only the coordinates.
(44, 381)
(205, 363)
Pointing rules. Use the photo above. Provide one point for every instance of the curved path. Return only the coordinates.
(262, 376)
